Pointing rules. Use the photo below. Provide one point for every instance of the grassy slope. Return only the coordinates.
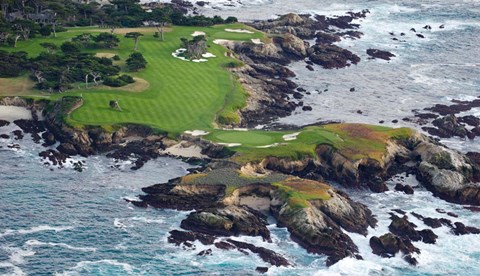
(181, 95)
(354, 141)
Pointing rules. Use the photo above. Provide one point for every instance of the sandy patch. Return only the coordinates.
(239, 31)
(105, 55)
(224, 42)
(197, 33)
(179, 52)
(267, 146)
(230, 145)
(257, 41)
(183, 151)
(209, 55)
(196, 132)
(12, 113)
(256, 203)
(291, 137)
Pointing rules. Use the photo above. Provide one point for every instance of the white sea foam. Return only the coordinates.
(40, 228)
(64, 245)
(86, 264)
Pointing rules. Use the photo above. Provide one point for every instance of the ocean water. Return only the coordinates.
(62, 222)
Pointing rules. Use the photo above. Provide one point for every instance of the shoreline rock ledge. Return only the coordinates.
(227, 203)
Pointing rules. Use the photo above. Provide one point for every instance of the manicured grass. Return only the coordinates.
(181, 95)
(354, 141)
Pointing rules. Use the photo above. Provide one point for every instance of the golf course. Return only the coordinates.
(174, 95)
(177, 95)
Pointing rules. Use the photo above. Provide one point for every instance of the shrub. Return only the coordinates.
(114, 82)
(136, 62)
(118, 81)
(70, 47)
(116, 57)
(126, 78)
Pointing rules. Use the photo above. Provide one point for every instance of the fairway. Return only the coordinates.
(178, 95)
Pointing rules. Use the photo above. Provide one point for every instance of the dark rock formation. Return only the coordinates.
(389, 245)
(267, 255)
(4, 123)
(228, 221)
(380, 54)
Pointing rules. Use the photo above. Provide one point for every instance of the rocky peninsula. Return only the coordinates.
(235, 189)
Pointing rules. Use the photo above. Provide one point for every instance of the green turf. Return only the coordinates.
(182, 95)
(354, 141)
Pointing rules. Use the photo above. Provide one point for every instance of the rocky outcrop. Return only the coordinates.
(389, 245)
(375, 53)
(316, 224)
(448, 174)
(228, 221)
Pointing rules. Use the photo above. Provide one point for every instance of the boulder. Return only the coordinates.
(375, 53)
(389, 245)
(227, 221)
(67, 149)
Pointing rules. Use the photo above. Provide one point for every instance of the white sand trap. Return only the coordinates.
(291, 137)
(239, 31)
(268, 146)
(12, 113)
(240, 129)
(179, 52)
(230, 145)
(209, 55)
(257, 41)
(196, 132)
(197, 33)
(223, 42)
(182, 151)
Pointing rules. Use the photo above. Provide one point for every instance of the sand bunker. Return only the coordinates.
(224, 42)
(239, 31)
(257, 41)
(180, 52)
(267, 146)
(291, 137)
(197, 33)
(12, 113)
(196, 132)
(182, 151)
(230, 145)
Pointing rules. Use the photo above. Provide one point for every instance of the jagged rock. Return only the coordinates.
(182, 197)
(4, 136)
(401, 227)
(228, 221)
(179, 237)
(267, 255)
(375, 53)
(461, 229)
(316, 232)
(49, 139)
(67, 149)
(293, 45)
(389, 245)
(404, 188)
(332, 56)
(205, 252)
(4, 123)
(18, 134)
(428, 236)
(261, 269)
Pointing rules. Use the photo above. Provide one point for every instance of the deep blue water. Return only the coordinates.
(65, 222)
